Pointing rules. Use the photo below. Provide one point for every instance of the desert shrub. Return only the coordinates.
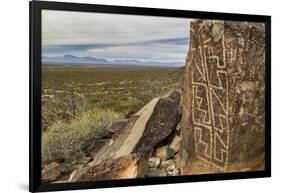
(63, 105)
(71, 91)
(66, 140)
(154, 88)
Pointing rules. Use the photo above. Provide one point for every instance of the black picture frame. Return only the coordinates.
(35, 183)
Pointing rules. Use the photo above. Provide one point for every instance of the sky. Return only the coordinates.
(114, 36)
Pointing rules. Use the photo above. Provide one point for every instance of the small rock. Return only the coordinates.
(165, 153)
(166, 163)
(155, 172)
(162, 152)
(115, 127)
(175, 144)
(170, 168)
(174, 172)
(72, 175)
(178, 131)
(53, 171)
(130, 114)
(154, 162)
(85, 160)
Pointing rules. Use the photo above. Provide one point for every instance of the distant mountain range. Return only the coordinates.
(88, 60)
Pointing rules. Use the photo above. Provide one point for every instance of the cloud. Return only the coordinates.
(114, 35)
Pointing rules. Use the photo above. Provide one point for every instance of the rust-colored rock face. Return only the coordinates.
(124, 167)
(223, 97)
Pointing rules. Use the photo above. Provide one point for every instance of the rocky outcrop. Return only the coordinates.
(55, 171)
(223, 97)
(126, 154)
(124, 167)
(146, 128)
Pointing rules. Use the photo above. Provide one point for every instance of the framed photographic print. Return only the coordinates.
(123, 96)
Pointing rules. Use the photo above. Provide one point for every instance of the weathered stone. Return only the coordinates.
(177, 159)
(153, 123)
(162, 122)
(161, 152)
(96, 146)
(170, 173)
(154, 162)
(130, 114)
(85, 160)
(125, 155)
(53, 171)
(167, 163)
(124, 167)
(170, 153)
(176, 97)
(174, 172)
(165, 153)
(155, 172)
(223, 97)
(175, 144)
(170, 168)
(115, 127)
(72, 176)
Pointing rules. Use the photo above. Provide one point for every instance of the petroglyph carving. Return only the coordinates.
(223, 103)
(210, 106)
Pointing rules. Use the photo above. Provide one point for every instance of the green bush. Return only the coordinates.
(65, 141)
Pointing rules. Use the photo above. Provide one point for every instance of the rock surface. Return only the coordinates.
(126, 154)
(115, 127)
(156, 172)
(154, 162)
(153, 123)
(175, 144)
(223, 97)
(124, 167)
(165, 153)
(54, 171)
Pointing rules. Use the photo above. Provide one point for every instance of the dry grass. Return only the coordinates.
(65, 141)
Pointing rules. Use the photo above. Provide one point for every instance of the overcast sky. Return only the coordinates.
(114, 36)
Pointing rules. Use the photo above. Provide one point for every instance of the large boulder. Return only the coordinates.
(223, 97)
(146, 128)
(143, 131)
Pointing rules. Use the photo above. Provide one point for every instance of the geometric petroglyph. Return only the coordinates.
(210, 108)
